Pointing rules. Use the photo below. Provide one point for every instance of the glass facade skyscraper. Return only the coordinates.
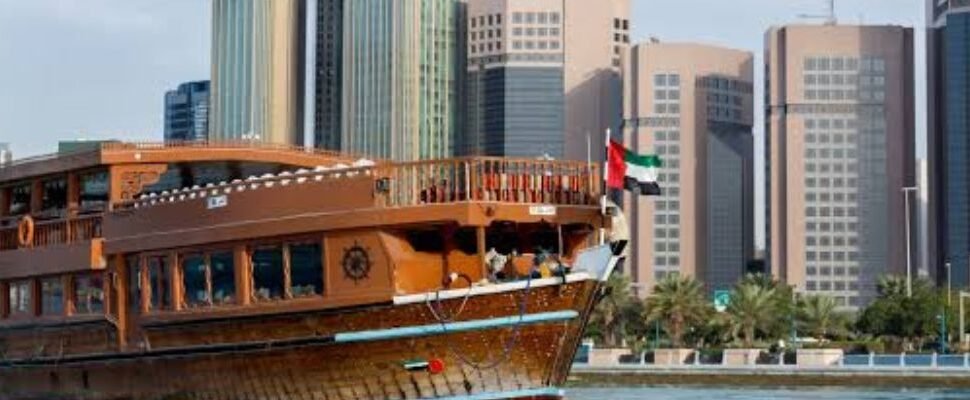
(948, 147)
(387, 77)
(187, 112)
(258, 69)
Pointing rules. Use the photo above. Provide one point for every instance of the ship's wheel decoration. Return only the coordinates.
(356, 263)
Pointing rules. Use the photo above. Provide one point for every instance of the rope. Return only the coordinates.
(509, 344)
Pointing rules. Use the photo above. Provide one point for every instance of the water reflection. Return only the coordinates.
(688, 393)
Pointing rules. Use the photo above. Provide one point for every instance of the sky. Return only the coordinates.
(98, 69)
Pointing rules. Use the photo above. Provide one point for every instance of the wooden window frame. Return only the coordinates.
(206, 256)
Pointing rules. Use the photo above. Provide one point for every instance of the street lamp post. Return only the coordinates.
(949, 275)
(963, 328)
(909, 258)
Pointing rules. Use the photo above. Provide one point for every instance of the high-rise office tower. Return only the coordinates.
(329, 79)
(692, 105)
(258, 69)
(187, 112)
(948, 144)
(515, 79)
(544, 76)
(388, 77)
(596, 39)
(840, 146)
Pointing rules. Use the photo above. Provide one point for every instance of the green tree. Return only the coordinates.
(610, 317)
(893, 314)
(783, 305)
(753, 308)
(679, 304)
(818, 316)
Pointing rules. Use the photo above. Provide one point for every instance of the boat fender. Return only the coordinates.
(25, 232)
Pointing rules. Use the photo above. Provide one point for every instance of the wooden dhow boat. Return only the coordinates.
(231, 271)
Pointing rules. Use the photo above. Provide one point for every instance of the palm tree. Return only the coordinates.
(817, 316)
(753, 307)
(678, 303)
(608, 315)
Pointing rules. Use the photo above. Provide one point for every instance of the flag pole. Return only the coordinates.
(606, 186)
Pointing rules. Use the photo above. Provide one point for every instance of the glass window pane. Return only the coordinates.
(193, 280)
(223, 278)
(158, 278)
(89, 294)
(134, 284)
(306, 269)
(268, 273)
(52, 296)
(20, 297)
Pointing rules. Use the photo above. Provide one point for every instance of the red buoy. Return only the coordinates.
(436, 366)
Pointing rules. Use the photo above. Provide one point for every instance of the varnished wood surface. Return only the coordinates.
(361, 370)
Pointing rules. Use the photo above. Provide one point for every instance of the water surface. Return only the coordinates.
(709, 393)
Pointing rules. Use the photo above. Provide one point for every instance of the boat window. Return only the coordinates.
(158, 274)
(20, 199)
(268, 273)
(52, 296)
(134, 284)
(223, 277)
(54, 195)
(19, 297)
(306, 269)
(89, 294)
(429, 241)
(194, 281)
(94, 190)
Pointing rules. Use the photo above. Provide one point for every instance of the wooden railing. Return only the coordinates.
(488, 180)
(53, 232)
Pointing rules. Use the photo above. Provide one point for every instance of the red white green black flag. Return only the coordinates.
(631, 171)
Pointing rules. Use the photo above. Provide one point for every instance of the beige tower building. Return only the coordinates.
(840, 147)
(692, 105)
(258, 68)
(597, 36)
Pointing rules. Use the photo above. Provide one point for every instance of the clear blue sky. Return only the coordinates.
(91, 69)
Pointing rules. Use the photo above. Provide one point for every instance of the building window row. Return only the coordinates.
(485, 20)
(536, 45)
(536, 18)
(533, 31)
(837, 63)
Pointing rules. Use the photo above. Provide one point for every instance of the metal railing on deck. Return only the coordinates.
(489, 180)
(52, 232)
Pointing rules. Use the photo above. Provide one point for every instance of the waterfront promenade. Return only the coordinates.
(921, 372)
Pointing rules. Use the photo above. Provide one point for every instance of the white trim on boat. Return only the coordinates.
(490, 289)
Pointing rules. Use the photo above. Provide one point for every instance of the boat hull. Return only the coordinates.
(516, 343)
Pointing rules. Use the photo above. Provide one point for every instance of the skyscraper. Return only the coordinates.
(387, 77)
(948, 144)
(329, 77)
(515, 79)
(840, 145)
(596, 37)
(544, 77)
(258, 70)
(692, 105)
(187, 112)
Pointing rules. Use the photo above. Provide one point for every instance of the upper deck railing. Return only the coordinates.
(427, 182)
(50, 232)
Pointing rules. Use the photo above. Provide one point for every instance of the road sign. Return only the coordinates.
(721, 300)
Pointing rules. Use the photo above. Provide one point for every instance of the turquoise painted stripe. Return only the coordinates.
(463, 326)
(515, 394)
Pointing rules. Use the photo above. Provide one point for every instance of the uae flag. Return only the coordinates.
(631, 171)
